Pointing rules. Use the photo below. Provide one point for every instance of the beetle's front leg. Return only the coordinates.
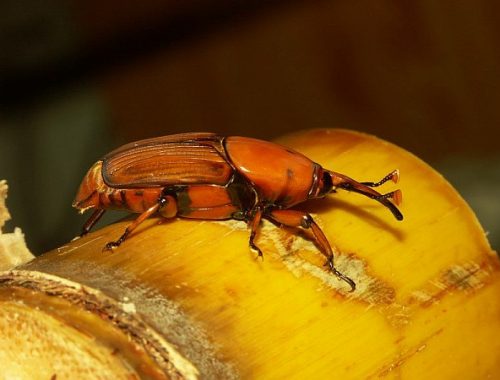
(293, 218)
(94, 218)
(166, 205)
(254, 224)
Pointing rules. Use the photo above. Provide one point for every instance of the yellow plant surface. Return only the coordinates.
(427, 302)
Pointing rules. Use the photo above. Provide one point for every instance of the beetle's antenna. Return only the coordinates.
(392, 176)
(396, 196)
(343, 182)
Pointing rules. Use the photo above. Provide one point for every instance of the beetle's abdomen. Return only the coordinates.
(208, 202)
(279, 175)
(133, 200)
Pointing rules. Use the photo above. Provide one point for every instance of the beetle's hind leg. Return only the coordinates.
(166, 205)
(294, 218)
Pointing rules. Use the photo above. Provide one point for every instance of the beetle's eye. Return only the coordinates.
(327, 183)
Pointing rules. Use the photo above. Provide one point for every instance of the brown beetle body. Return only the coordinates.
(206, 176)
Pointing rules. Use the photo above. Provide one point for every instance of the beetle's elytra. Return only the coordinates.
(206, 176)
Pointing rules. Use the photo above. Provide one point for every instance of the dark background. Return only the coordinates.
(78, 78)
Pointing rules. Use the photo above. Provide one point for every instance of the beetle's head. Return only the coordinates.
(87, 196)
(389, 200)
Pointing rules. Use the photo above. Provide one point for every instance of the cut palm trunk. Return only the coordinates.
(188, 298)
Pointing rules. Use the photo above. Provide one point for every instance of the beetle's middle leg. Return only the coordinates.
(166, 206)
(254, 224)
(294, 218)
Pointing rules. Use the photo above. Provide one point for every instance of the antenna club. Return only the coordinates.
(397, 197)
(395, 176)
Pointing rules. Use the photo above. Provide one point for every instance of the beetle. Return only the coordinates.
(207, 176)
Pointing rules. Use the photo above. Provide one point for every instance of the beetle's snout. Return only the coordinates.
(341, 181)
(88, 196)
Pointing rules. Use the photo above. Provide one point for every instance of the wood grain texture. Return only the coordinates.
(13, 249)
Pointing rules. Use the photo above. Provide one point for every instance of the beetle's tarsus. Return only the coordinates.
(115, 244)
(111, 245)
(339, 275)
(257, 249)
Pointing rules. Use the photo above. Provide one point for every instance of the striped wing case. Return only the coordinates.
(182, 159)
